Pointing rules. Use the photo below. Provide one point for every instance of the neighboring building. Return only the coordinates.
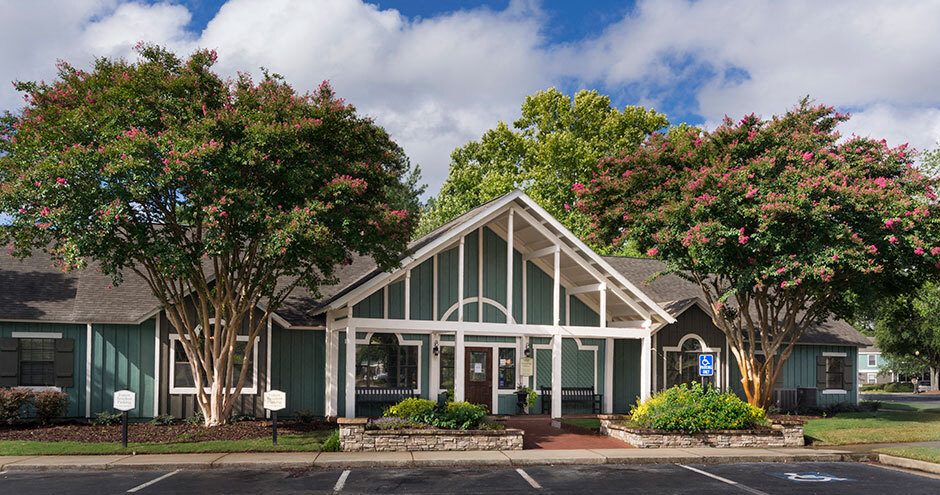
(872, 366)
(444, 320)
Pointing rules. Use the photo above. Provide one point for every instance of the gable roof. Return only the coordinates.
(676, 294)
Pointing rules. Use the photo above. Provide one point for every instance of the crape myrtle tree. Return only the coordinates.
(224, 196)
(780, 223)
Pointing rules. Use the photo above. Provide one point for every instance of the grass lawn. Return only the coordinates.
(308, 442)
(874, 427)
(929, 454)
(583, 422)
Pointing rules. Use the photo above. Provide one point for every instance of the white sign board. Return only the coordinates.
(526, 365)
(125, 400)
(275, 400)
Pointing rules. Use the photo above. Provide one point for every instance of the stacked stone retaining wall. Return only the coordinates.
(353, 437)
(778, 434)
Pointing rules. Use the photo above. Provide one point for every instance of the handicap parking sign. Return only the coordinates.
(706, 365)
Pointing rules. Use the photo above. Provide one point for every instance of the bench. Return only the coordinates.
(382, 396)
(572, 394)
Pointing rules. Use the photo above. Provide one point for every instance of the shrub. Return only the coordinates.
(164, 420)
(695, 409)
(11, 404)
(305, 415)
(453, 416)
(105, 418)
(49, 404)
(331, 444)
(411, 407)
(873, 386)
(388, 423)
(196, 419)
(239, 418)
(898, 387)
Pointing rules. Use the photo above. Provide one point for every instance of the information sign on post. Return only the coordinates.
(274, 401)
(124, 400)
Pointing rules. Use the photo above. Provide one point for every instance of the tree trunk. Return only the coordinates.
(934, 379)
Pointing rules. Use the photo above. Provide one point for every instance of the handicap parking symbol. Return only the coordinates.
(706, 365)
(809, 477)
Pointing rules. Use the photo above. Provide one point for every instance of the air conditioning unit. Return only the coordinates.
(806, 397)
(785, 399)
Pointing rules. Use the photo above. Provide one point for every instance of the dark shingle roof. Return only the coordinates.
(676, 294)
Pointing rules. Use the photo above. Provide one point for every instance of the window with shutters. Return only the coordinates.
(37, 359)
(835, 373)
(37, 362)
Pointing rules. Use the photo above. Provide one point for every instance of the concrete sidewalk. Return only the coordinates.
(306, 460)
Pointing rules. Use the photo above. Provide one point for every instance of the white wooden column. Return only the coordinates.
(609, 376)
(435, 367)
(480, 275)
(351, 368)
(459, 358)
(556, 338)
(646, 350)
(330, 392)
(509, 266)
(407, 295)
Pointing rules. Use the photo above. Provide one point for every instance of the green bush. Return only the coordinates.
(331, 444)
(873, 386)
(196, 419)
(12, 402)
(408, 408)
(898, 387)
(105, 418)
(164, 420)
(695, 409)
(304, 415)
(49, 404)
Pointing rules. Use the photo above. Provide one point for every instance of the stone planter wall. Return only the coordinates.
(779, 434)
(353, 437)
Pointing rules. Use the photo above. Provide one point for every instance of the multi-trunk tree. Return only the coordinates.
(781, 223)
(223, 196)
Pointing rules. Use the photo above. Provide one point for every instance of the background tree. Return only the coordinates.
(557, 142)
(221, 195)
(779, 222)
(907, 328)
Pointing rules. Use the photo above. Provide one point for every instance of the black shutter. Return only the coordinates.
(65, 363)
(848, 373)
(821, 372)
(9, 362)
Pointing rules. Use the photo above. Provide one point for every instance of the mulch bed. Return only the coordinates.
(792, 417)
(147, 432)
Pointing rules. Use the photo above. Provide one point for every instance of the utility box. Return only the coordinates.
(806, 397)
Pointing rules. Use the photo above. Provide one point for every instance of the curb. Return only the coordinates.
(336, 462)
(903, 462)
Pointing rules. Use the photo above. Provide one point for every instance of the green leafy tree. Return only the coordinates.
(221, 195)
(557, 142)
(780, 222)
(907, 329)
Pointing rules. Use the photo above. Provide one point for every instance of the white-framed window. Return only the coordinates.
(872, 360)
(833, 373)
(872, 377)
(181, 372)
(680, 363)
(387, 360)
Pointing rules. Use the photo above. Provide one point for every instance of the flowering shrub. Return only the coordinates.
(411, 407)
(12, 402)
(696, 409)
(49, 404)
(452, 415)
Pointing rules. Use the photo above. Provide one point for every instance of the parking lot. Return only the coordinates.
(754, 478)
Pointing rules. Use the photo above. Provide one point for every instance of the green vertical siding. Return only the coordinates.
(539, 290)
(76, 332)
(578, 369)
(507, 404)
(372, 306)
(298, 367)
(447, 283)
(122, 358)
(582, 315)
(494, 276)
(471, 263)
(422, 291)
(626, 374)
(396, 300)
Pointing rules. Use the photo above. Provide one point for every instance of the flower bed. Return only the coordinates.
(354, 437)
(780, 433)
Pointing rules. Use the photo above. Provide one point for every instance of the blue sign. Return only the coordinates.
(706, 365)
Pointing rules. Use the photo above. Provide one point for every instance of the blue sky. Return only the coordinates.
(437, 74)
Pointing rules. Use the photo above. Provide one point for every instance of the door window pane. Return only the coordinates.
(447, 367)
(383, 363)
(507, 369)
(477, 366)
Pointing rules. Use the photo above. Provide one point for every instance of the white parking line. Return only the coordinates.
(153, 481)
(341, 482)
(525, 476)
(723, 480)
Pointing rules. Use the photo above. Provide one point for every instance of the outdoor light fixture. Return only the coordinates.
(437, 348)
(528, 352)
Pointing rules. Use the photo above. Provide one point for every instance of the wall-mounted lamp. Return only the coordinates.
(528, 352)
(437, 348)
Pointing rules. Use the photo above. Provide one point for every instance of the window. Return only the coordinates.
(872, 377)
(872, 360)
(507, 369)
(37, 362)
(682, 363)
(447, 367)
(384, 363)
(181, 371)
(835, 372)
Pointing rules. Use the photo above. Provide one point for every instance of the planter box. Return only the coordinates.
(778, 434)
(353, 437)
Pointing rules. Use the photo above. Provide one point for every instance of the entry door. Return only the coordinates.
(479, 379)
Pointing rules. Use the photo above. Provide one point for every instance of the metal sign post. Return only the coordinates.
(274, 401)
(124, 400)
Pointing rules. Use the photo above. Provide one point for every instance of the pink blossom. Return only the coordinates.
(892, 239)
(60, 180)
(742, 239)
(935, 251)
(835, 256)
(919, 251)
(652, 252)
(567, 207)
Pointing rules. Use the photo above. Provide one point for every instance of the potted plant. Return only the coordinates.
(525, 398)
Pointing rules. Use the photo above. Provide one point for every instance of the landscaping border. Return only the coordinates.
(781, 433)
(353, 437)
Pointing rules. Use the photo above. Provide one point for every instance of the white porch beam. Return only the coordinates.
(495, 329)
(460, 268)
(351, 364)
(583, 289)
(509, 265)
(556, 338)
(609, 376)
(541, 253)
(407, 295)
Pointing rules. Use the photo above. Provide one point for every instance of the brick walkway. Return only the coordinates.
(539, 434)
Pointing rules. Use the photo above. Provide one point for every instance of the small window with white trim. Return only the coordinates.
(835, 373)
(181, 371)
(872, 360)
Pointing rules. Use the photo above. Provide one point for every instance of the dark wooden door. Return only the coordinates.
(479, 377)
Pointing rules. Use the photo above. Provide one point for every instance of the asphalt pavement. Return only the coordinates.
(699, 479)
(929, 400)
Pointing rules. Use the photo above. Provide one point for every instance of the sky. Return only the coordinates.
(437, 74)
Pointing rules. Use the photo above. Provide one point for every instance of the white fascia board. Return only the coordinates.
(425, 252)
(597, 258)
(496, 329)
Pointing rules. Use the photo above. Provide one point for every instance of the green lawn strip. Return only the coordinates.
(589, 423)
(929, 454)
(308, 442)
(910, 406)
(874, 427)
